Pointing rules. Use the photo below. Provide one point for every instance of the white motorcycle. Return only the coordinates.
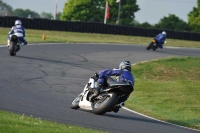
(109, 99)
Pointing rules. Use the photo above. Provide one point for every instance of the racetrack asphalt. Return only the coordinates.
(43, 80)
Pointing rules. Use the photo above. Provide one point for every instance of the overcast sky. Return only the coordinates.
(150, 10)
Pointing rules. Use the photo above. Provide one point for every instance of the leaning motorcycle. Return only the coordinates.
(108, 99)
(14, 45)
(152, 45)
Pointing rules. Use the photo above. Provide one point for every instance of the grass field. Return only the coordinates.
(35, 36)
(12, 123)
(168, 89)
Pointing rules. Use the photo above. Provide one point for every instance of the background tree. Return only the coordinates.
(50, 15)
(127, 12)
(58, 16)
(194, 18)
(173, 22)
(25, 13)
(46, 15)
(145, 25)
(5, 9)
(86, 10)
(94, 10)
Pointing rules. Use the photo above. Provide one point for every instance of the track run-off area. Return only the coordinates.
(43, 79)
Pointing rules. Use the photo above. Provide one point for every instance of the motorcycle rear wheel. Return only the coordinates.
(12, 48)
(108, 102)
(155, 47)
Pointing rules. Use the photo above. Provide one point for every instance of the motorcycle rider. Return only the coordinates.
(19, 31)
(160, 39)
(123, 74)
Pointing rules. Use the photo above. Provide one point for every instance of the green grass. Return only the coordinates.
(168, 89)
(35, 36)
(12, 123)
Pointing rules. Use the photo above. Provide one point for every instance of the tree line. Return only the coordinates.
(94, 10)
(7, 10)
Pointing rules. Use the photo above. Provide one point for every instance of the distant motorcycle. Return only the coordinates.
(14, 45)
(152, 45)
(108, 99)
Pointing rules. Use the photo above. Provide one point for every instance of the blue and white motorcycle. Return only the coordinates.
(109, 98)
(154, 45)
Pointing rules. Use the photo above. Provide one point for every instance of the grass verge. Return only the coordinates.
(12, 123)
(35, 36)
(168, 89)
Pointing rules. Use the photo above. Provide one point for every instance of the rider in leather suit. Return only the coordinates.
(160, 39)
(123, 73)
(19, 31)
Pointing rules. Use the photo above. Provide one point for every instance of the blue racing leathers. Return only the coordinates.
(160, 39)
(19, 31)
(122, 75)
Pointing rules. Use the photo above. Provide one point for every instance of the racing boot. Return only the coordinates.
(117, 107)
(25, 42)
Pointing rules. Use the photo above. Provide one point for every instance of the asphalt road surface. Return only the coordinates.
(43, 80)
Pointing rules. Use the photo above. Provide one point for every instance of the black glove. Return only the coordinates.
(95, 76)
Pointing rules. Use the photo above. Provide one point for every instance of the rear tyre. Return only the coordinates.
(155, 47)
(106, 104)
(12, 48)
(75, 103)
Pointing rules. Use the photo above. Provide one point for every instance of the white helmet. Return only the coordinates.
(164, 33)
(18, 22)
(125, 65)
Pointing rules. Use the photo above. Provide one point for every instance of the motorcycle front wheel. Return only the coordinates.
(75, 103)
(105, 104)
(149, 46)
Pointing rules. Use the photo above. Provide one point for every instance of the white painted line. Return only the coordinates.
(2, 45)
(169, 47)
(157, 119)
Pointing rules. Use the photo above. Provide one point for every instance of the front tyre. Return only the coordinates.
(105, 104)
(75, 103)
(12, 48)
(149, 46)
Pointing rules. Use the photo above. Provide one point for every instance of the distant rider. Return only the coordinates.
(160, 39)
(123, 74)
(19, 31)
